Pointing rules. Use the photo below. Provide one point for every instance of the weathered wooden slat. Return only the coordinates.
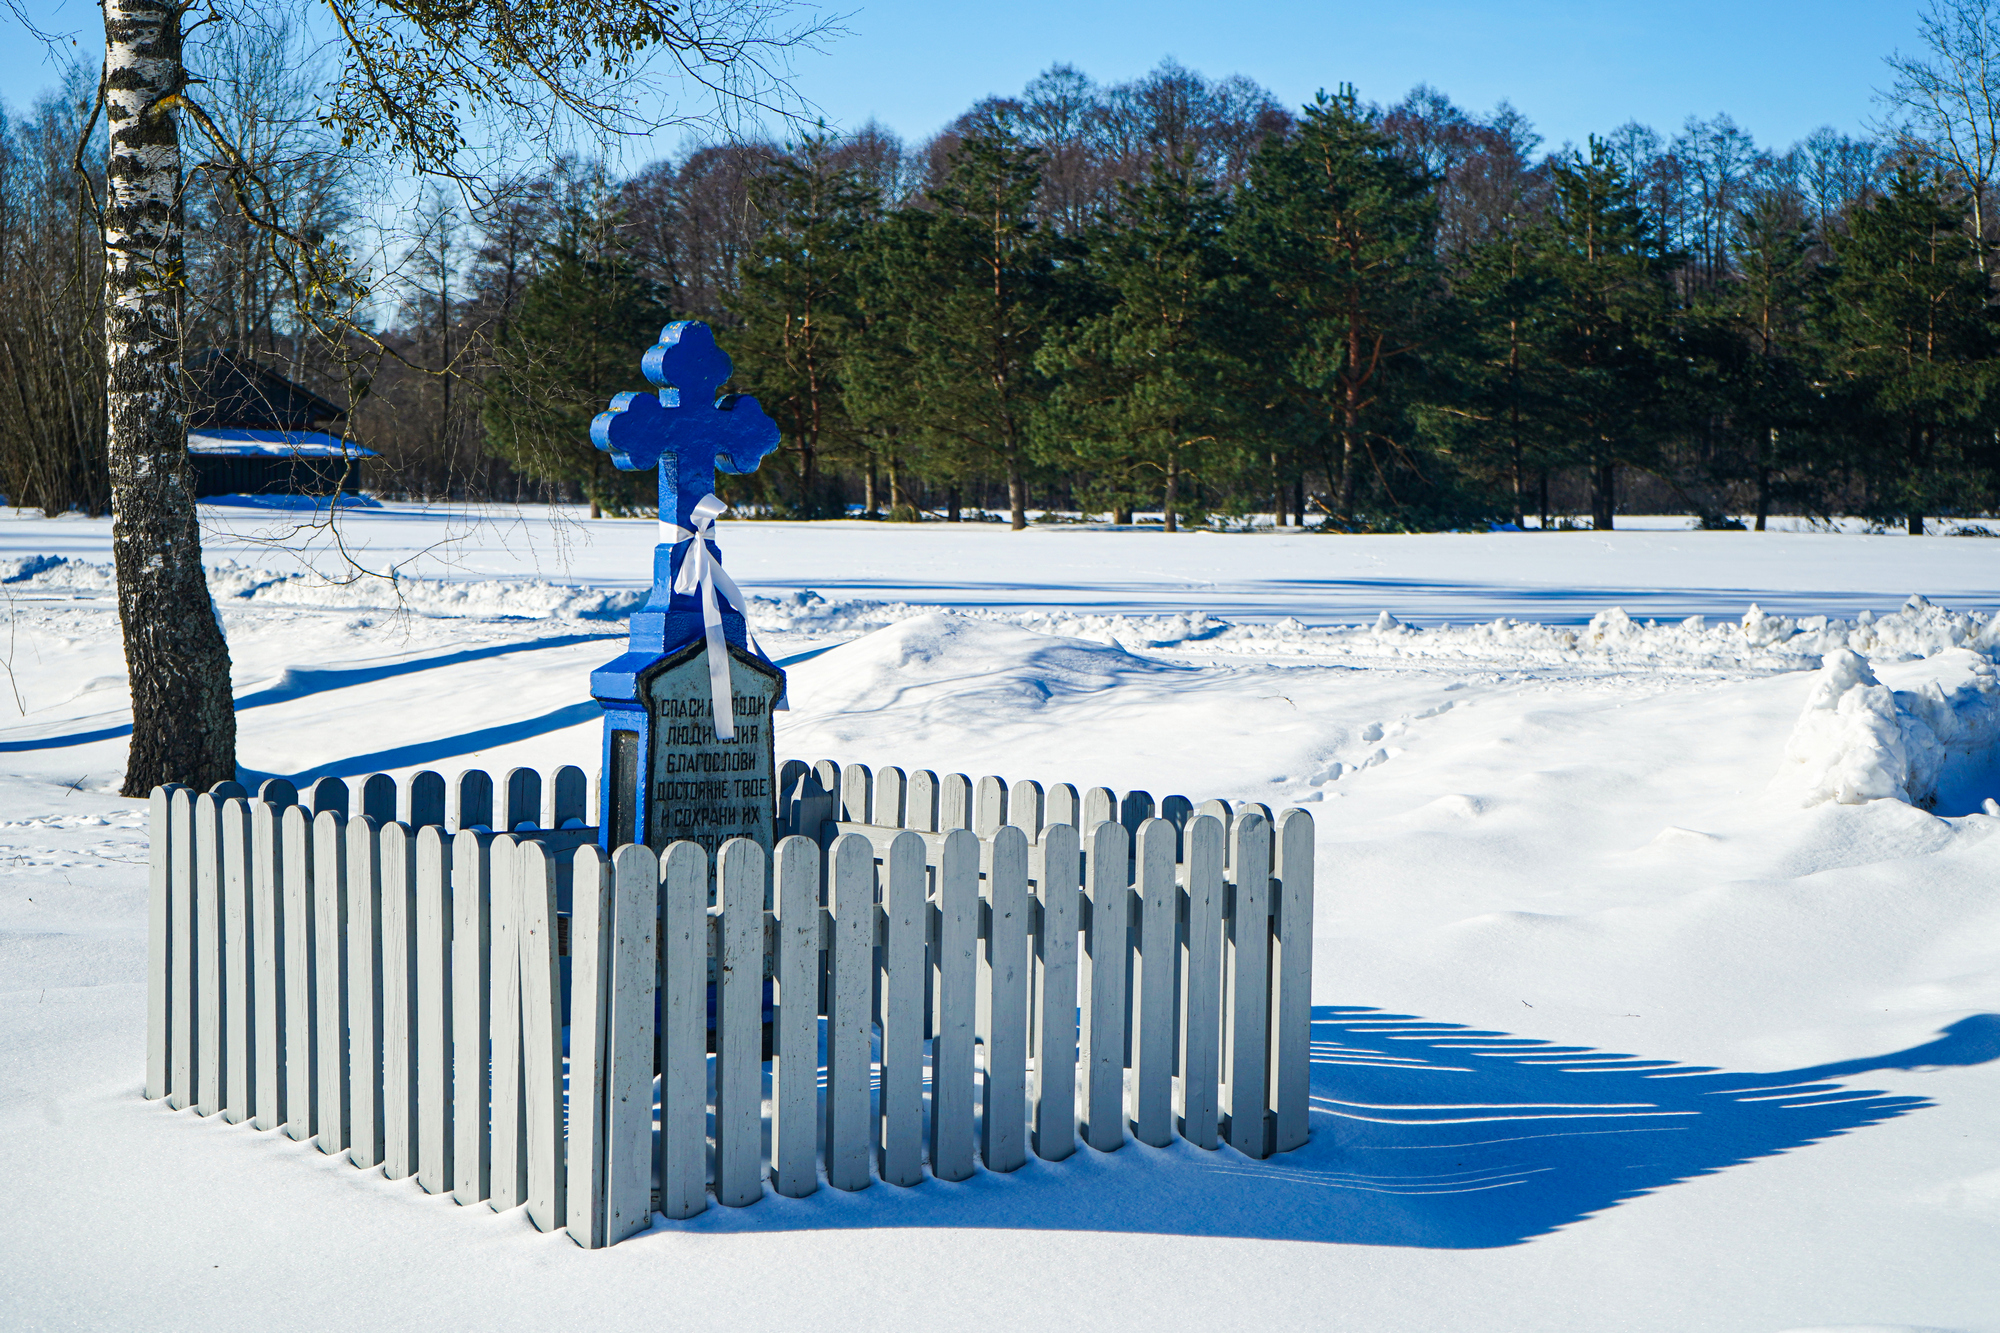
(956, 963)
(683, 1031)
(1004, 975)
(1223, 813)
(1134, 809)
(1153, 984)
(857, 793)
(850, 987)
(920, 806)
(790, 772)
(329, 906)
(1291, 966)
(629, 1043)
(954, 801)
(508, 1183)
(1201, 981)
(239, 966)
(740, 874)
(327, 794)
(892, 787)
(1063, 806)
(433, 1002)
(1053, 1095)
(423, 800)
(1026, 804)
(471, 1015)
(472, 800)
(567, 799)
(277, 792)
(268, 957)
(902, 1097)
(521, 799)
(364, 991)
(1099, 804)
(592, 947)
(1101, 983)
(301, 980)
(989, 806)
(1246, 985)
(396, 848)
(542, 1037)
(795, 1072)
(159, 941)
(378, 798)
(828, 774)
(181, 1092)
(209, 999)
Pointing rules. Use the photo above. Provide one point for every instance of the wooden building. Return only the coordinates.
(251, 431)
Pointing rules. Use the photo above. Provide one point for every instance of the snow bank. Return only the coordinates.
(1858, 740)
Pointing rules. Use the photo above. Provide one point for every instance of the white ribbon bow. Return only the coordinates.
(701, 570)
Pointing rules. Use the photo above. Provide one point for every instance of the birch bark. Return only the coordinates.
(183, 713)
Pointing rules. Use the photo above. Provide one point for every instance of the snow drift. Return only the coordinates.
(1858, 740)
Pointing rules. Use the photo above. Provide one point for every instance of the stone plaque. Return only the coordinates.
(702, 788)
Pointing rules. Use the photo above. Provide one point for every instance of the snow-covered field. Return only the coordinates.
(1647, 998)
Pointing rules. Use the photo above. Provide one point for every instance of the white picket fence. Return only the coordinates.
(972, 971)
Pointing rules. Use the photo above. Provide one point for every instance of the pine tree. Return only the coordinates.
(1339, 227)
(796, 303)
(1148, 390)
(1911, 333)
(576, 338)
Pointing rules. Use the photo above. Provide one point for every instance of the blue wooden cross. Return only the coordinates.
(689, 434)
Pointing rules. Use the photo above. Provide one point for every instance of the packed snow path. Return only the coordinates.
(1616, 1030)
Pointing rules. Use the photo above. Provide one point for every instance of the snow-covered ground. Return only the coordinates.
(1647, 999)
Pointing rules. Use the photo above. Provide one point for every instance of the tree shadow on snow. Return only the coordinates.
(1423, 1134)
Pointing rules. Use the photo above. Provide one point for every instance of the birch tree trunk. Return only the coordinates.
(183, 712)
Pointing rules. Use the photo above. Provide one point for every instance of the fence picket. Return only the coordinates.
(1063, 806)
(920, 805)
(891, 795)
(1101, 983)
(159, 941)
(857, 793)
(1099, 804)
(521, 800)
(1004, 977)
(1153, 984)
(301, 979)
(507, 1184)
(208, 1052)
(567, 798)
(684, 1032)
(472, 800)
(740, 877)
(902, 1097)
(1135, 809)
(329, 907)
(957, 979)
(1246, 986)
(396, 848)
(629, 1045)
(424, 800)
(592, 947)
(239, 963)
(1026, 803)
(795, 1098)
(1201, 981)
(1291, 964)
(989, 806)
(181, 1079)
(850, 973)
(435, 1027)
(954, 801)
(378, 798)
(328, 794)
(268, 948)
(1054, 1091)
(541, 1036)
(471, 1031)
(364, 990)
(828, 774)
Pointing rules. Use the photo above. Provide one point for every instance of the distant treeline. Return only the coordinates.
(1177, 296)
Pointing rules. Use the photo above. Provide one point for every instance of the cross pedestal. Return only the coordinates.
(668, 775)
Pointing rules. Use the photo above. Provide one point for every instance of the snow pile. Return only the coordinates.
(21, 568)
(533, 599)
(1858, 740)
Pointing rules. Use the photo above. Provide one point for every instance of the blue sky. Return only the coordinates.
(1780, 67)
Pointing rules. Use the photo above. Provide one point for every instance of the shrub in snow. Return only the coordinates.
(1858, 740)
